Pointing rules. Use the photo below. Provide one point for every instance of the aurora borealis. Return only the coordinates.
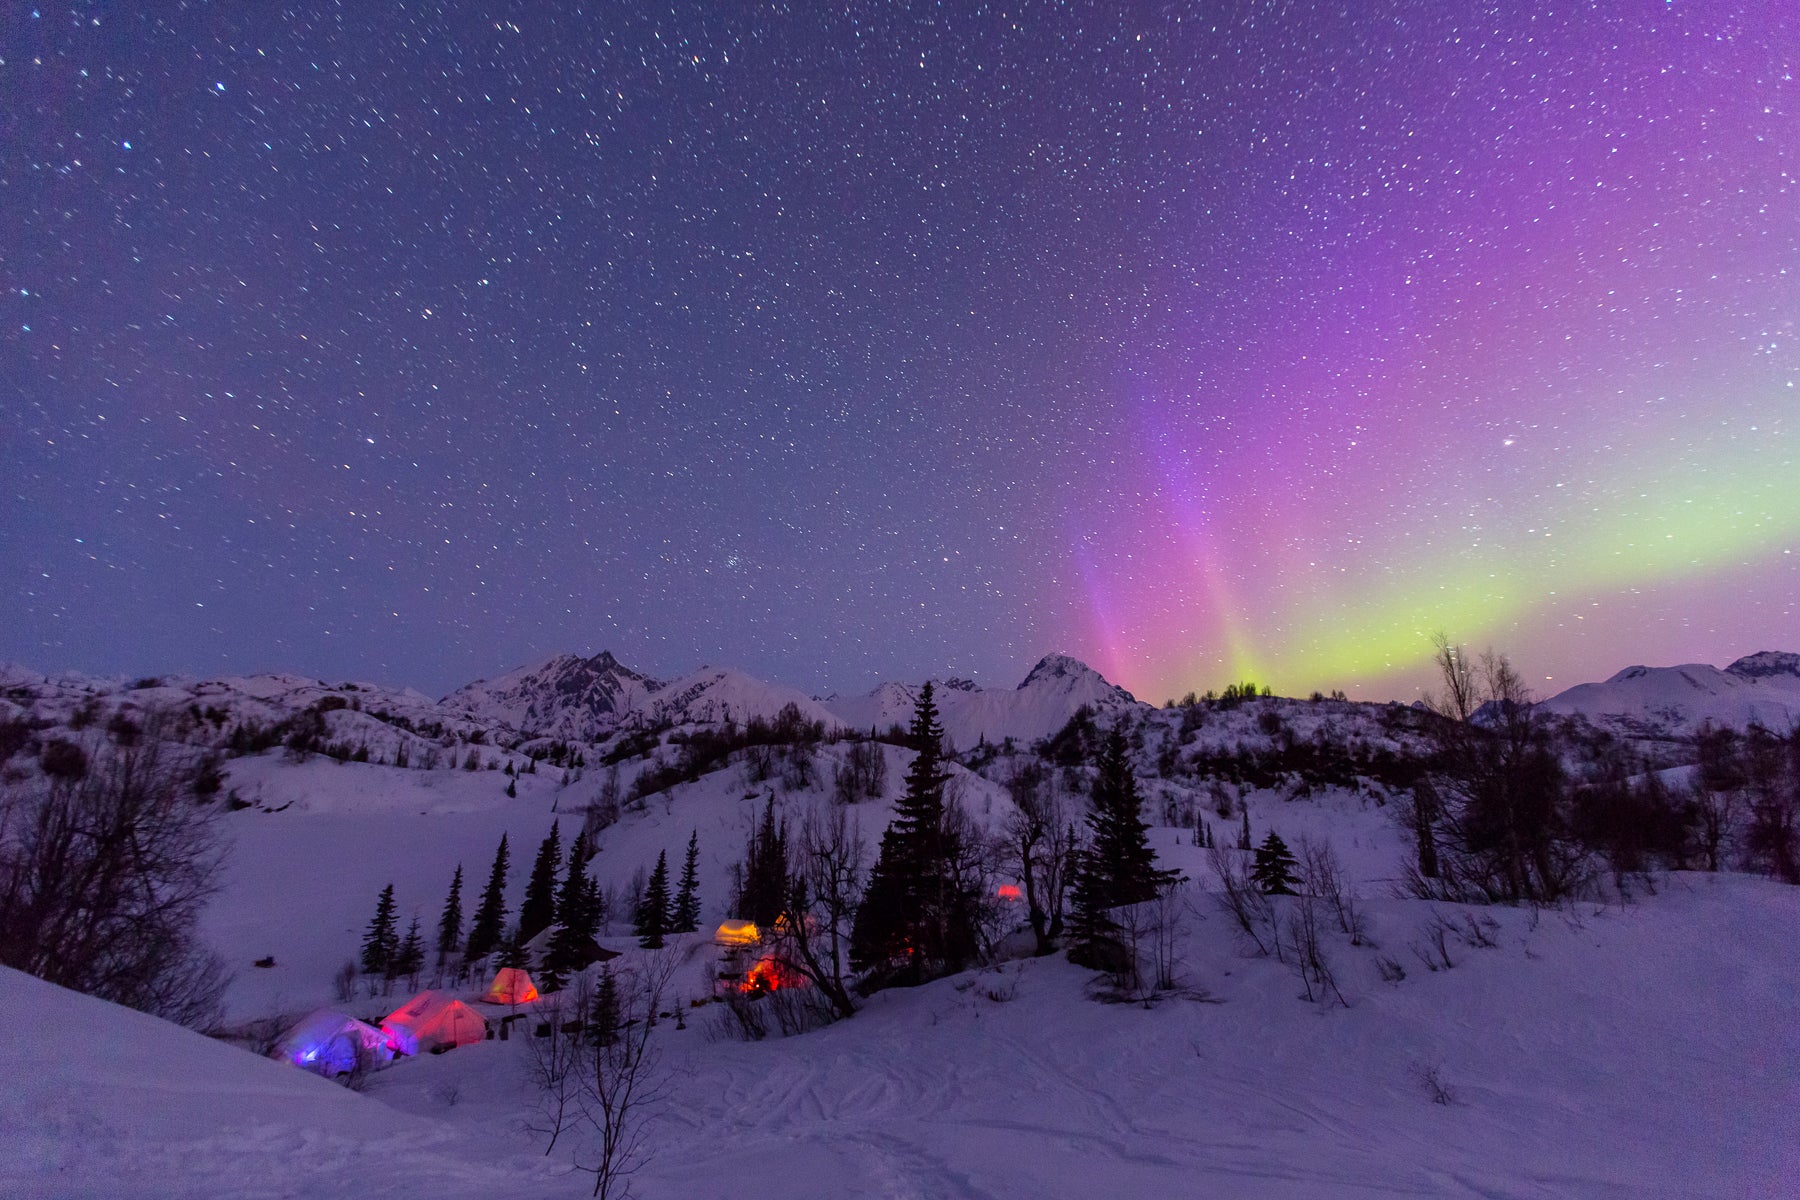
(1199, 341)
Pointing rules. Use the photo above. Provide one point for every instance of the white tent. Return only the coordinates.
(330, 1043)
(432, 1020)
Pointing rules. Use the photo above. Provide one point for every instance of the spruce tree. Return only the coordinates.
(449, 930)
(380, 943)
(653, 909)
(489, 923)
(409, 958)
(573, 893)
(603, 1029)
(687, 898)
(1274, 868)
(910, 919)
(513, 952)
(763, 882)
(538, 910)
(1117, 867)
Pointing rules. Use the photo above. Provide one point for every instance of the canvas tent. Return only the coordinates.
(432, 1020)
(329, 1043)
(737, 933)
(511, 986)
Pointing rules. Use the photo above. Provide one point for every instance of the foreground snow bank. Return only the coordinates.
(103, 1101)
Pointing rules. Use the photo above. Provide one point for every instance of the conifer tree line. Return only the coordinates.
(921, 910)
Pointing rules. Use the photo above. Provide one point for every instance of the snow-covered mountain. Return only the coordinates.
(588, 699)
(1042, 704)
(1676, 701)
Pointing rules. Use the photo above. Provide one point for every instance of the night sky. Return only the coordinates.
(875, 340)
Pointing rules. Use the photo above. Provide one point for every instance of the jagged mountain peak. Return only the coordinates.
(1067, 671)
(1764, 664)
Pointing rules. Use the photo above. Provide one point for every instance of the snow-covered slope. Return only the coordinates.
(1041, 704)
(1676, 701)
(103, 1101)
(711, 694)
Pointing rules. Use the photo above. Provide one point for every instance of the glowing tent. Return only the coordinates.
(329, 1043)
(431, 1021)
(737, 933)
(511, 985)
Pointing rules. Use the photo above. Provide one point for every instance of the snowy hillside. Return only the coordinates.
(1589, 1051)
(1612, 1052)
(1675, 701)
(103, 1101)
(1042, 704)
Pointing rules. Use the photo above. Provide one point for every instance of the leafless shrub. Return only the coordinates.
(1431, 1078)
(739, 1018)
(448, 1093)
(1239, 896)
(343, 982)
(1306, 953)
(1390, 968)
(1479, 931)
(1434, 948)
(1325, 880)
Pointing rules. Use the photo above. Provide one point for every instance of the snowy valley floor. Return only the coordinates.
(1640, 1051)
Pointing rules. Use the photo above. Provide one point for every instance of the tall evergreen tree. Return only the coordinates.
(687, 897)
(381, 943)
(573, 894)
(409, 957)
(653, 909)
(603, 1029)
(489, 923)
(1274, 867)
(538, 910)
(911, 922)
(1117, 867)
(449, 930)
(763, 884)
(513, 952)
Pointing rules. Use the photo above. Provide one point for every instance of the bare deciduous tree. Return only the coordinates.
(1306, 952)
(813, 937)
(1240, 896)
(102, 880)
(622, 1083)
(555, 1060)
(1325, 880)
(1039, 848)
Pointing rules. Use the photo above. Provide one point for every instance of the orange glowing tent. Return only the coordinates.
(737, 933)
(512, 985)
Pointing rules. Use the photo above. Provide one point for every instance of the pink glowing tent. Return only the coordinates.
(432, 1021)
(329, 1043)
(511, 986)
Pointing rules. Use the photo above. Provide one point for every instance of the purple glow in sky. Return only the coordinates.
(1199, 341)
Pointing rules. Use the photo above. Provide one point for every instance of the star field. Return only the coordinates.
(881, 340)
